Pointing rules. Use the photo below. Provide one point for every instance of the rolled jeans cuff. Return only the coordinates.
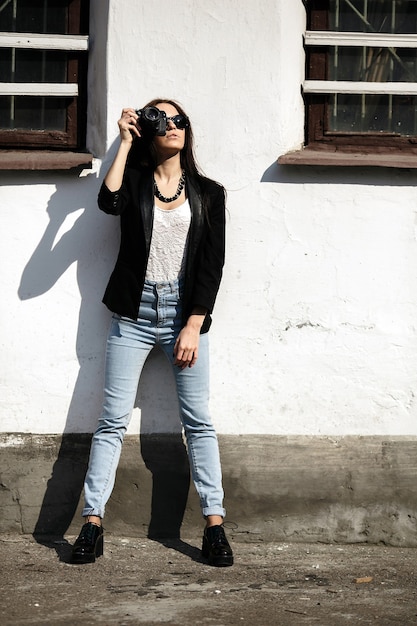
(89, 511)
(213, 510)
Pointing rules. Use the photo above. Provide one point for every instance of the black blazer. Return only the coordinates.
(134, 202)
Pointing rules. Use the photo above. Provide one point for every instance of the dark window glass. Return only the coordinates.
(33, 113)
(34, 16)
(33, 66)
(373, 64)
(373, 16)
(349, 113)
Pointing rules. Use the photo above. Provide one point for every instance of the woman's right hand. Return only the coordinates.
(128, 126)
(129, 129)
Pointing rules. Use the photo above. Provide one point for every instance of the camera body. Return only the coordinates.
(152, 121)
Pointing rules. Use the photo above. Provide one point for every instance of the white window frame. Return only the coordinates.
(359, 40)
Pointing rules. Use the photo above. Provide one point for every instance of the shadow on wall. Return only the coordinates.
(92, 244)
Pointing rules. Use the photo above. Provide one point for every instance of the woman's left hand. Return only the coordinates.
(186, 347)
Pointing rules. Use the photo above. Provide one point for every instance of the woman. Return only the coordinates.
(162, 291)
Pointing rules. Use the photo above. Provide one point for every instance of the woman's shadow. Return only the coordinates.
(79, 233)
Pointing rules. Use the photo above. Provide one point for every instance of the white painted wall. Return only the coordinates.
(315, 327)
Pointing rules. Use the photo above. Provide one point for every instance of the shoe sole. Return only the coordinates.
(81, 560)
(221, 562)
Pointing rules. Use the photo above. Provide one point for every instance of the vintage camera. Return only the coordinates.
(152, 121)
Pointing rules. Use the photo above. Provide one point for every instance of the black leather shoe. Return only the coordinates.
(89, 544)
(216, 548)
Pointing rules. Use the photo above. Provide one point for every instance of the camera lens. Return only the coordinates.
(151, 114)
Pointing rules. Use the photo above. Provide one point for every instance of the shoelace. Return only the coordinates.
(87, 533)
(216, 535)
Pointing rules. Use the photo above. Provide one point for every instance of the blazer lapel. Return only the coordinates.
(146, 203)
(197, 220)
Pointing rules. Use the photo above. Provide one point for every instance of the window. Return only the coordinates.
(43, 74)
(361, 80)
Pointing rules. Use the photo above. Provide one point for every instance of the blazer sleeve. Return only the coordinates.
(211, 258)
(112, 202)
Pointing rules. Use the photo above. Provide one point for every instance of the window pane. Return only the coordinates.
(33, 66)
(373, 64)
(373, 114)
(34, 16)
(373, 16)
(381, 114)
(33, 113)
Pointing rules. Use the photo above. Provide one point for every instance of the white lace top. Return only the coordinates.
(169, 243)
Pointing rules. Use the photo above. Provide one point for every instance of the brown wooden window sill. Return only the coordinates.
(308, 156)
(43, 160)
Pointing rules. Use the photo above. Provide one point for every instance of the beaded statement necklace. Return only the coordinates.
(180, 187)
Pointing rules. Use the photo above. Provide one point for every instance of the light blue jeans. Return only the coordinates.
(128, 344)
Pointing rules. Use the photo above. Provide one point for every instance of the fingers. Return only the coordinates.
(128, 124)
(183, 356)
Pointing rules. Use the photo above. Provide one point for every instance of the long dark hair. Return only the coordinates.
(143, 151)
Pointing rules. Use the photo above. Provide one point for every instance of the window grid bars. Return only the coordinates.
(43, 42)
(373, 38)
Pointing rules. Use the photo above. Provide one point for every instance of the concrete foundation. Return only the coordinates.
(307, 489)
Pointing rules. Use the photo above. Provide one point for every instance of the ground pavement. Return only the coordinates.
(140, 581)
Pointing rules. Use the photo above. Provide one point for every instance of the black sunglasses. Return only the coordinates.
(180, 121)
